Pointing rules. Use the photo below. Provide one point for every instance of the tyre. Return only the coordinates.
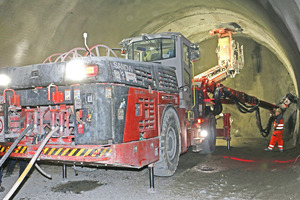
(169, 147)
(209, 144)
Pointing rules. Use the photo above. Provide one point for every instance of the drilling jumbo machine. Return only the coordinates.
(79, 108)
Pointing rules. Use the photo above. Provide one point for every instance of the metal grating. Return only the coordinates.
(148, 123)
(143, 76)
(167, 80)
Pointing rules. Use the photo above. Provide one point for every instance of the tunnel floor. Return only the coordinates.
(244, 172)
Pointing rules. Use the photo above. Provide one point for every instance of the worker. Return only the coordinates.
(10, 167)
(1, 172)
(10, 164)
(277, 131)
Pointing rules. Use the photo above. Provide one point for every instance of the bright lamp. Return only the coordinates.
(4, 80)
(75, 70)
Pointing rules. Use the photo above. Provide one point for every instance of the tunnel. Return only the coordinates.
(269, 38)
(30, 31)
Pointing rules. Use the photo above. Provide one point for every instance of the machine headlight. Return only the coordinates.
(75, 70)
(204, 133)
(4, 80)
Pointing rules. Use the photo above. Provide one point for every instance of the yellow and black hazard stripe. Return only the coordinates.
(55, 151)
(18, 149)
(77, 152)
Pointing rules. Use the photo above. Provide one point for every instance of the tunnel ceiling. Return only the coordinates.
(31, 31)
(196, 22)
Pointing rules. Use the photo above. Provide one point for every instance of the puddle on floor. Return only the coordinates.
(77, 186)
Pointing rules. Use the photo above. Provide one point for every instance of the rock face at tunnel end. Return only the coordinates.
(257, 79)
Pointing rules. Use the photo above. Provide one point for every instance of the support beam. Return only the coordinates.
(151, 178)
(64, 168)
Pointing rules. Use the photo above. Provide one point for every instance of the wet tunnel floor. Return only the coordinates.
(77, 187)
(244, 172)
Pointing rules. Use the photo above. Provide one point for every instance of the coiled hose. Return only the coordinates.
(242, 107)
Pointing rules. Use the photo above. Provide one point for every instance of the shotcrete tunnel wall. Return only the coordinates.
(30, 31)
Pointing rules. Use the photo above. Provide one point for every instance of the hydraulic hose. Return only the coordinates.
(13, 146)
(264, 132)
(218, 105)
(42, 171)
(242, 107)
(30, 164)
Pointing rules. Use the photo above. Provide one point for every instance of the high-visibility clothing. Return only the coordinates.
(277, 133)
(278, 125)
(276, 138)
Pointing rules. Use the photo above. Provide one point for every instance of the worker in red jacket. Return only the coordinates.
(277, 131)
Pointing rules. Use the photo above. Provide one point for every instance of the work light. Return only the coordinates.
(75, 70)
(4, 80)
(203, 133)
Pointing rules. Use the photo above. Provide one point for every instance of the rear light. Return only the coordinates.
(199, 121)
(91, 70)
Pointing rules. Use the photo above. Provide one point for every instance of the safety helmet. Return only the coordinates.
(278, 110)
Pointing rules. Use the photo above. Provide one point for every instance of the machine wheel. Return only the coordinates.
(209, 144)
(169, 144)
